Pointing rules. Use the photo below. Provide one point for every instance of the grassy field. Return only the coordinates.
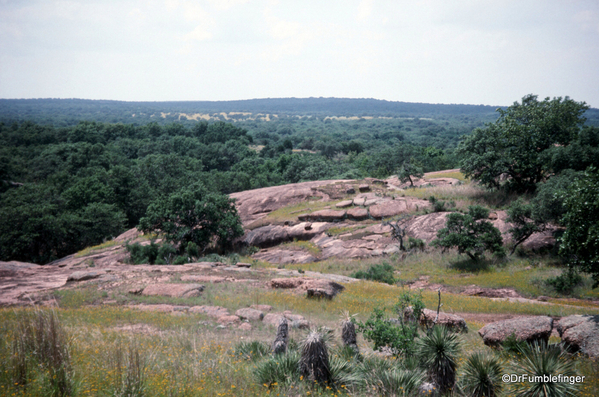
(101, 346)
(186, 355)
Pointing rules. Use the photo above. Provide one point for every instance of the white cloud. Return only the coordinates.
(364, 9)
(224, 5)
(198, 34)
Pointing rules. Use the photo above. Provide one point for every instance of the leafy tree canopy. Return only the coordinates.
(515, 144)
(580, 242)
(194, 215)
(470, 233)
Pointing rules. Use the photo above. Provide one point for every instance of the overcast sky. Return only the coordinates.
(436, 51)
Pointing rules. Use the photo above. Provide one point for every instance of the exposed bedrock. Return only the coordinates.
(257, 203)
(270, 235)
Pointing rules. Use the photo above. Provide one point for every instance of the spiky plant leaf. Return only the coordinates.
(538, 360)
(280, 370)
(438, 354)
(482, 376)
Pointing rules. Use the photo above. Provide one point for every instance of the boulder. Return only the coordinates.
(580, 333)
(360, 200)
(300, 324)
(173, 290)
(281, 256)
(373, 201)
(250, 314)
(364, 187)
(474, 290)
(211, 311)
(350, 190)
(245, 326)
(319, 293)
(205, 279)
(154, 308)
(319, 287)
(527, 329)
(262, 308)
(388, 209)
(84, 275)
(266, 236)
(295, 320)
(227, 320)
(271, 235)
(293, 317)
(272, 319)
(286, 282)
(323, 216)
(357, 214)
(451, 321)
(344, 203)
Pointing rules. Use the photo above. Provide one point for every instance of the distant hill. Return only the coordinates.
(106, 110)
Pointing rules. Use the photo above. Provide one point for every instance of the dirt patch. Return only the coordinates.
(137, 329)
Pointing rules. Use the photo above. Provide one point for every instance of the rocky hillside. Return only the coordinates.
(296, 223)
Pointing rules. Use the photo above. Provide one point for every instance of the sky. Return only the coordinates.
(433, 51)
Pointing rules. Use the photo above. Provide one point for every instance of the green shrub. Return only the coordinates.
(139, 254)
(398, 335)
(166, 254)
(381, 273)
(438, 206)
(416, 243)
(192, 250)
(565, 282)
(470, 233)
(180, 260)
(512, 345)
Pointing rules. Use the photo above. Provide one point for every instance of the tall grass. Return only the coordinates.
(41, 348)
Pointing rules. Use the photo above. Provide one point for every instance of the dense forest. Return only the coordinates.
(75, 172)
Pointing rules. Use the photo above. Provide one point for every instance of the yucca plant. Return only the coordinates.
(540, 361)
(343, 374)
(251, 350)
(279, 346)
(281, 369)
(314, 361)
(348, 333)
(481, 376)
(438, 353)
(382, 377)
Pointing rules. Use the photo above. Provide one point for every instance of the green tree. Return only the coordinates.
(470, 233)
(515, 144)
(193, 214)
(408, 169)
(520, 214)
(580, 242)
